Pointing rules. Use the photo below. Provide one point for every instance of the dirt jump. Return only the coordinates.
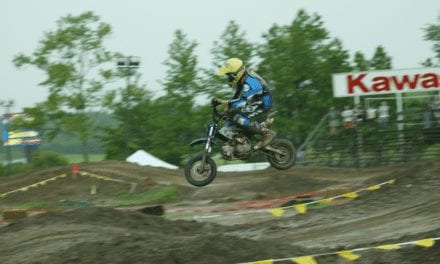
(118, 212)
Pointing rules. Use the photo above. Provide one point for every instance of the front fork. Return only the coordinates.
(208, 145)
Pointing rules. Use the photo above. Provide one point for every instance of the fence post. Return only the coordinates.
(133, 187)
(359, 147)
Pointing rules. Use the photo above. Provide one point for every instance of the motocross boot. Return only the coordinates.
(263, 130)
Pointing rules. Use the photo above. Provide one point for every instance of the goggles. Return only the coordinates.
(231, 77)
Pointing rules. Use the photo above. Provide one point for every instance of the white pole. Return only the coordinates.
(357, 99)
(399, 109)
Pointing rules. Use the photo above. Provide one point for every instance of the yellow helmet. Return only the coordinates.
(233, 68)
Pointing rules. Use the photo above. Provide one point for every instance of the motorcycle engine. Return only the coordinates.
(239, 148)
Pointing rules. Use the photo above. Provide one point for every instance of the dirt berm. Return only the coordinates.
(211, 224)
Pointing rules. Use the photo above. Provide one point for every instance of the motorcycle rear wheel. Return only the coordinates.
(285, 160)
(198, 176)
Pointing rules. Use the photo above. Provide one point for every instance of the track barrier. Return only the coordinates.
(350, 255)
(266, 203)
(64, 175)
(37, 184)
(303, 207)
(104, 178)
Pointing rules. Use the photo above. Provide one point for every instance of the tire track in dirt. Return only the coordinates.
(405, 211)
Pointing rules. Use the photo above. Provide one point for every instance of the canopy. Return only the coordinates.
(144, 158)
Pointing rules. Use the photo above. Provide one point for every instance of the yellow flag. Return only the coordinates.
(301, 208)
(304, 260)
(350, 195)
(277, 211)
(392, 181)
(388, 247)
(348, 255)
(429, 242)
(267, 261)
(373, 188)
(326, 201)
(24, 189)
(63, 176)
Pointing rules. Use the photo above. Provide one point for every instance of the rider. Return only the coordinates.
(251, 98)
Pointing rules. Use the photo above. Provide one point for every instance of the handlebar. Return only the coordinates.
(217, 115)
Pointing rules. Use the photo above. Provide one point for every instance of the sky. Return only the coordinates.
(145, 28)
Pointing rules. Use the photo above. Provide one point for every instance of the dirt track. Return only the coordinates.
(224, 230)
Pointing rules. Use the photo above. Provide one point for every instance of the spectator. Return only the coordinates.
(347, 117)
(371, 115)
(436, 108)
(333, 119)
(384, 114)
(427, 114)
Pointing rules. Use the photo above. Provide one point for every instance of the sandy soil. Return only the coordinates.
(213, 224)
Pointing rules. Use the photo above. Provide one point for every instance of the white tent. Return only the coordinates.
(144, 158)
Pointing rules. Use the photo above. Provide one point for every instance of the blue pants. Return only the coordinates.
(245, 119)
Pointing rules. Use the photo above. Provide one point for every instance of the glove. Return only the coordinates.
(215, 101)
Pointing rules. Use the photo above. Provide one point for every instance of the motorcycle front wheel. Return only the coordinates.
(198, 174)
(285, 156)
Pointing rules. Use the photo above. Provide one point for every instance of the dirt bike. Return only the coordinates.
(238, 145)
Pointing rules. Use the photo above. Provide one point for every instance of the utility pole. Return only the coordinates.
(127, 65)
(5, 123)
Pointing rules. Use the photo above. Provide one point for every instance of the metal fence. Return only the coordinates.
(367, 144)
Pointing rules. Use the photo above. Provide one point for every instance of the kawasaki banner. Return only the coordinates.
(386, 82)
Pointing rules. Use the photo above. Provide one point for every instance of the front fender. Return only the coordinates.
(200, 141)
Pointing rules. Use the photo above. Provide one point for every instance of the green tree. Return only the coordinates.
(77, 67)
(297, 60)
(174, 113)
(432, 34)
(380, 60)
(232, 44)
(163, 126)
(360, 62)
(181, 80)
(140, 110)
(130, 106)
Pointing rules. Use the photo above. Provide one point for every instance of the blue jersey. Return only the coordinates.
(252, 96)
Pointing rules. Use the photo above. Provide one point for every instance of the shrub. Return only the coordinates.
(47, 159)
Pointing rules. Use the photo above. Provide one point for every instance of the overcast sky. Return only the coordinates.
(145, 28)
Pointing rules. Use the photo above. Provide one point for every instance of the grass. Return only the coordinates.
(156, 195)
(34, 205)
(77, 158)
(123, 198)
(72, 158)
